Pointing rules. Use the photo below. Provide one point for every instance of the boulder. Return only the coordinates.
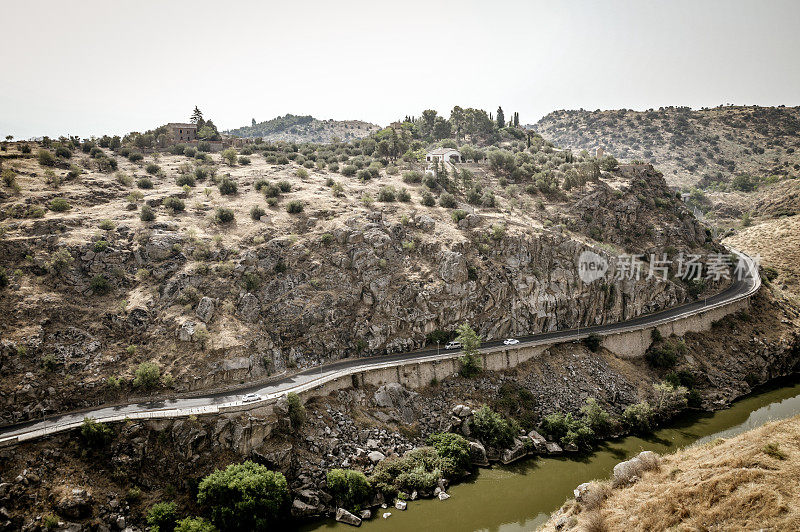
(516, 452)
(477, 454)
(539, 443)
(443, 496)
(76, 505)
(394, 395)
(376, 456)
(249, 308)
(400, 505)
(205, 309)
(553, 448)
(462, 411)
(303, 509)
(186, 331)
(630, 471)
(343, 516)
(366, 514)
(581, 491)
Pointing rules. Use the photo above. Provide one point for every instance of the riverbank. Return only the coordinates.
(745, 482)
(522, 496)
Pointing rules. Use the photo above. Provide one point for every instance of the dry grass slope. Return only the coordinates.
(747, 482)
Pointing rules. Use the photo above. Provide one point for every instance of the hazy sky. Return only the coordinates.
(94, 67)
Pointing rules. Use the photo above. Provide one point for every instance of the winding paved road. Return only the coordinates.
(310, 378)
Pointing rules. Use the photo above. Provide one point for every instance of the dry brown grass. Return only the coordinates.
(748, 482)
(777, 241)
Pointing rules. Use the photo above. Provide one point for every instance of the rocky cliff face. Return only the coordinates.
(369, 283)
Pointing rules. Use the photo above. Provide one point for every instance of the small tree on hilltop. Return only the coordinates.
(501, 118)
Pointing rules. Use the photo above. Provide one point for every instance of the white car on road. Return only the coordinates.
(250, 397)
(510, 341)
(453, 345)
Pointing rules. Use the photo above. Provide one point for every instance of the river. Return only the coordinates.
(522, 496)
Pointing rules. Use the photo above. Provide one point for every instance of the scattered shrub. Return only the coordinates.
(404, 195)
(639, 417)
(228, 187)
(174, 204)
(147, 214)
(144, 182)
(447, 200)
(223, 215)
(96, 434)
(45, 158)
(427, 199)
(302, 173)
(147, 375)
(244, 161)
(294, 207)
(284, 186)
(387, 194)
(99, 285)
(59, 205)
(100, 246)
(152, 168)
(257, 212)
(63, 152)
(186, 179)
(195, 524)
(458, 215)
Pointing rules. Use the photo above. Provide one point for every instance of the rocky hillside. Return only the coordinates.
(293, 128)
(218, 273)
(703, 148)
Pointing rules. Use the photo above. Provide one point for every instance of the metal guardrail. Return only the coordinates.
(338, 374)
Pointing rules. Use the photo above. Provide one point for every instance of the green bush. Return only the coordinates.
(257, 212)
(135, 157)
(294, 207)
(387, 194)
(96, 434)
(59, 205)
(492, 429)
(639, 417)
(152, 168)
(412, 176)
(59, 262)
(223, 215)
(427, 199)
(228, 187)
(349, 488)
(245, 496)
(447, 200)
(302, 173)
(190, 152)
(144, 182)
(147, 214)
(63, 151)
(595, 417)
(4, 280)
(174, 204)
(99, 285)
(404, 195)
(244, 161)
(45, 158)
(195, 524)
(230, 155)
(454, 451)
(297, 412)
(566, 429)
(162, 517)
(186, 179)
(285, 186)
(147, 375)
(417, 470)
(100, 246)
(665, 354)
(458, 215)
(349, 170)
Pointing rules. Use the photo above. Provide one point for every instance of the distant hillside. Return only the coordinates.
(704, 148)
(296, 128)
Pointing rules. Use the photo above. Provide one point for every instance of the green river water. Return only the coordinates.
(522, 496)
